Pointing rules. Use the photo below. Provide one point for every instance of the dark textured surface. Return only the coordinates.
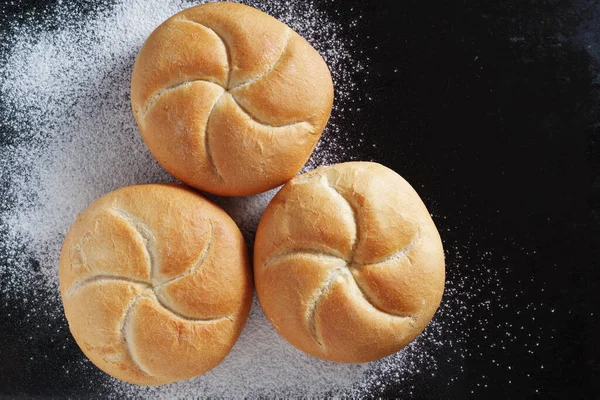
(491, 109)
(494, 109)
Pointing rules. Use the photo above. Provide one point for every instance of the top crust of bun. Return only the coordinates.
(348, 264)
(230, 100)
(155, 282)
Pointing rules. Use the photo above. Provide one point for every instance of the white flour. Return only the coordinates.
(72, 138)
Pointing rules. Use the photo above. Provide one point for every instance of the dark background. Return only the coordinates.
(491, 109)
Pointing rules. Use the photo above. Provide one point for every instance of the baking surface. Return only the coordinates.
(491, 111)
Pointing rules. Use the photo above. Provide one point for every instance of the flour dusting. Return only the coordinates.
(69, 137)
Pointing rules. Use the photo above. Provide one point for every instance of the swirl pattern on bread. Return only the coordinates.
(349, 266)
(230, 100)
(155, 283)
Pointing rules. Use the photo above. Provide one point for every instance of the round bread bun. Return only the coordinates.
(156, 283)
(230, 100)
(348, 264)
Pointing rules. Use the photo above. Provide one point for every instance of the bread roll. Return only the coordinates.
(230, 100)
(348, 264)
(155, 283)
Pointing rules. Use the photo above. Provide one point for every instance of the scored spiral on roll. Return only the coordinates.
(230, 100)
(155, 283)
(349, 266)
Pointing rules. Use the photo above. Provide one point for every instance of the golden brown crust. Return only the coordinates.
(237, 105)
(155, 282)
(348, 263)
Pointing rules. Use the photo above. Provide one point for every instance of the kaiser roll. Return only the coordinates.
(155, 283)
(230, 100)
(348, 264)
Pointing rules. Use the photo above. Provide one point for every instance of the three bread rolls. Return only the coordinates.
(155, 279)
